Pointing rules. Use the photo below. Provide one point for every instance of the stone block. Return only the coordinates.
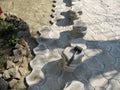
(71, 58)
(12, 83)
(6, 75)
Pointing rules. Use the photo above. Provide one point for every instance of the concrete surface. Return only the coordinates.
(100, 67)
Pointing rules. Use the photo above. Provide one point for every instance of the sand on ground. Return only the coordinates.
(35, 13)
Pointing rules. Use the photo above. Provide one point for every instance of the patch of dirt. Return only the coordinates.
(35, 13)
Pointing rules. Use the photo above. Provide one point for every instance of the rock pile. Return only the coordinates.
(17, 64)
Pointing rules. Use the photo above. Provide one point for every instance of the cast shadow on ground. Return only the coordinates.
(65, 21)
(68, 3)
(90, 68)
(63, 41)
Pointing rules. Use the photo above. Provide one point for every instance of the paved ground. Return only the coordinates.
(100, 67)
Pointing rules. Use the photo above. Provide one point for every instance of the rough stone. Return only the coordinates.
(20, 60)
(17, 46)
(22, 48)
(6, 74)
(17, 59)
(20, 85)
(17, 52)
(12, 72)
(10, 64)
(24, 62)
(22, 71)
(3, 84)
(12, 83)
(22, 42)
(24, 52)
(17, 76)
(10, 58)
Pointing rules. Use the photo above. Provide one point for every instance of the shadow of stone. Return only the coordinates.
(90, 69)
(63, 41)
(26, 34)
(66, 21)
(68, 3)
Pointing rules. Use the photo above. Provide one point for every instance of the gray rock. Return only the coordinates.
(12, 83)
(6, 75)
(17, 52)
(24, 62)
(12, 72)
(18, 46)
(3, 84)
(22, 71)
(10, 64)
(17, 59)
(18, 76)
(24, 51)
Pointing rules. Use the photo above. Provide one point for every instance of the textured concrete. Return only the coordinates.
(100, 66)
